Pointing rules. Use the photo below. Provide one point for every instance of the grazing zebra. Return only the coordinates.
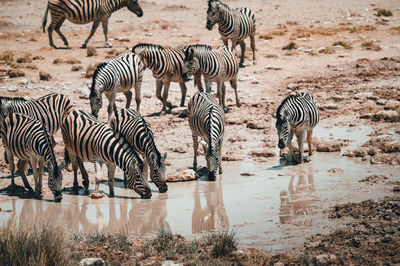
(87, 139)
(138, 48)
(296, 115)
(50, 109)
(217, 65)
(167, 66)
(83, 12)
(235, 25)
(118, 75)
(207, 120)
(138, 133)
(28, 139)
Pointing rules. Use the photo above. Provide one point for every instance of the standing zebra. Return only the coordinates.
(207, 120)
(50, 109)
(118, 75)
(217, 65)
(235, 25)
(167, 66)
(83, 12)
(139, 135)
(87, 139)
(28, 140)
(296, 115)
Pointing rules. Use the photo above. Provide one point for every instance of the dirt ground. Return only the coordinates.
(345, 53)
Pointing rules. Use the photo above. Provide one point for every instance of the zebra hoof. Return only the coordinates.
(241, 65)
(83, 46)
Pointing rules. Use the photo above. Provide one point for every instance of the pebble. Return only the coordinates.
(12, 89)
(182, 175)
(92, 261)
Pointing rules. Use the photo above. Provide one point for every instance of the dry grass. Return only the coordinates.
(383, 12)
(290, 46)
(24, 59)
(223, 243)
(44, 76)
(58, 61)
(345, 45)
(327, 50)
(15, 73)
(37, 57)
(31, 67)
(330, 31)
(90, 70)
(271, 56)
(7, 56)
(371, 46)
(91, 51)
(76, 68)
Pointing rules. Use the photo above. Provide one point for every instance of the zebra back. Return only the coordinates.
(6, 102)
(138, 48)
(92, 140)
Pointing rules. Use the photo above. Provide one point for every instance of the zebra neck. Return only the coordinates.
(114, 5)
(226, 18)
(123, 155)
(210, 132)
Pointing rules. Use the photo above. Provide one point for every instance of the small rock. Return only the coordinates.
(231, 156)
(180, 149)
(235, 121)
(387, 115)
(96, 195)
(34, 81)
(237, 138)
(392, 105)
(12, 89)
(178, 110)
(92, 261)
(84, 93)
(147, 95)
(257, 124)
(182, 175)
(381, 102)
(170, 263)
(335, 171)
(325, 258)
(246, 174)
(23, 82)
(263, 153)
(148, 34)
(120, 98)
(328, 146)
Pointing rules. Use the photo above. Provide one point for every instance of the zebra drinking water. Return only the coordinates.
(296, 115)
(139, 135)
(27, 139)
(235, 25)
(117, 75)
(207, 120)
(217, 65)
(167, 66)
(83, 12)
(87, 139)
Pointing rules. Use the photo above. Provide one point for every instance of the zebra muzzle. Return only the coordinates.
(281, 144)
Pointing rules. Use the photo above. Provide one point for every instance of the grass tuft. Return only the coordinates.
(327, 50)
(346, 45)
(24, 59)
(7, 56)
(76, 68)
(371, 46)
(72, 61)
(290, 46)
(223, 243)
(91, 51)
(383, 12)
(14, 73)
(44, 76)
(58, 61)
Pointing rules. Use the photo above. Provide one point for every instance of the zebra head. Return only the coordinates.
(157, 170)
(212, 158)
(190, 64)
(213, 14)
(283, 127)
(55, 180)
(96, 102)
(134, 7)
(136, 179)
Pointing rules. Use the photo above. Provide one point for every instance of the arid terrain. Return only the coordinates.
(342, 207)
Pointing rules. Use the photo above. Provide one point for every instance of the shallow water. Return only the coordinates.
(274, 205)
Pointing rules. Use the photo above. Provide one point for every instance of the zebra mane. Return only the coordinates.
(223, 5)
(202, 47)
(148, 46)
(279, 113)
(96, 72)
(4, 99)
(210, 113)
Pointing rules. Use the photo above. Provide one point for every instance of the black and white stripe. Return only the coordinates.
(88, 140)
(296, 115)
(27, 139)
(235, 25)
(167, 66)
(139, 135)
(207, 121)
(216, 65)
(117, 75)
(83, 12)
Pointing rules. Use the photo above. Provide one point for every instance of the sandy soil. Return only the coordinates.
(355, 83)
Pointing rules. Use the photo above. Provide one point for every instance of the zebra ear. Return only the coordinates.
(273, 116)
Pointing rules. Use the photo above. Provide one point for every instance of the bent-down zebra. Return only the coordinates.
(217, 65)
(207, 121)
(83, 12)
(27, 139)
(50, 109)
(117, 75)
(138, 133)
(167, 66)
(88, 140)
(296, 115)
(235, 25)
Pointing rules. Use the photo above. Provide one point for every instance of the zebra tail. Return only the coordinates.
(45, 18)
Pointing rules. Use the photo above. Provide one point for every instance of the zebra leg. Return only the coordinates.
(253, 47)
(85, 176)
(38, 188)
(225, 41)
(300, 142)
(97, 168)
(242, 48)
(165, 96)
(234, 86)
(197, 82)
(22, 164)
(10, 159)
(183, 92)
(111, 105)
(219, 93)
(92, 31)
(289, 144)
(104, 23)
(309, 140)
(74, 164)
(128, 96)
(159, 85)
(50, 31)
(146, 170)
(137, 97)
(220, 159)
(195, 147)
(57, 29)
(111, 173)
(208, 85)
(223, 94)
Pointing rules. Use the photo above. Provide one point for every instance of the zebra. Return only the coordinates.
(296, 115)
(207, 120)
(87, 139)
(50, 109)
(28, 139)
(235, 25)
(167, 66)
(217, 65)
(83, 12)
(117, 75)
(139, 135)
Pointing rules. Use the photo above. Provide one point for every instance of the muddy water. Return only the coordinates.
(272, 205)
